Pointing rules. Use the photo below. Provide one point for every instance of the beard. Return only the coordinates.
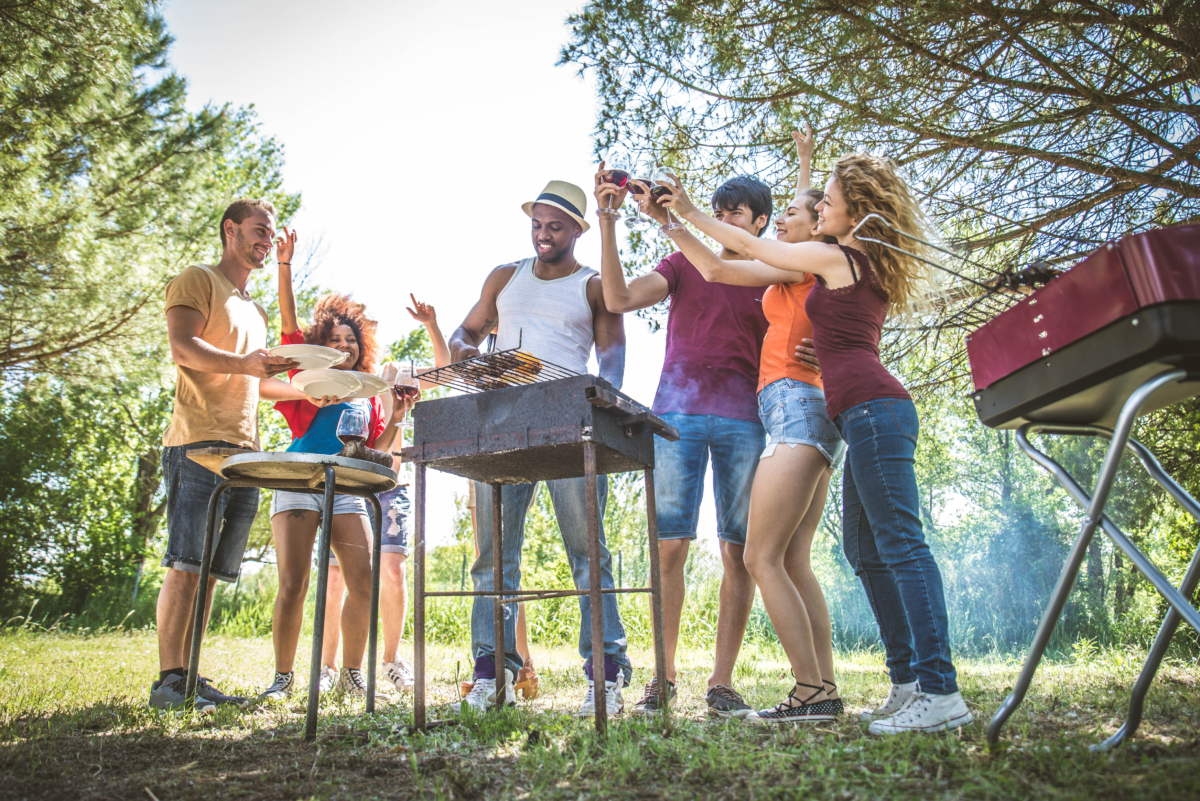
(245, 249)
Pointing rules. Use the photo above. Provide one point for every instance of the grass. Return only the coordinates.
(73, 723)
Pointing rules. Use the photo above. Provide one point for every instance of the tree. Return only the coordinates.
(108, 186)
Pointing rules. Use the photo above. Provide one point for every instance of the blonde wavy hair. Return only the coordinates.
(870, 185)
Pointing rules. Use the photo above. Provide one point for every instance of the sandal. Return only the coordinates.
(838, 707)
(800, 712)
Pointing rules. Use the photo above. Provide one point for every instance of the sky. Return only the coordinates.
(414, 131)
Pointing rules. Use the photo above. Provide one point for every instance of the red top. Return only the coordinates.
(784, 306)
(300, 413)
(847, 323)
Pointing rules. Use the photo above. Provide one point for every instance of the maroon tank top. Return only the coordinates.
(847, 323)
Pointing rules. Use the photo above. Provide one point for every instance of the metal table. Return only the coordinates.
(572, 427)
(317, 474)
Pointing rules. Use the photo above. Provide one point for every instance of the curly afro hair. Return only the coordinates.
(334, 310)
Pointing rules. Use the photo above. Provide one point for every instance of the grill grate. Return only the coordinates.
(497, 370)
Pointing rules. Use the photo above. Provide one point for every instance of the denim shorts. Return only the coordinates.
(189, 487)
(679, 474)
(285, 501)
(396, 516)
(793, 413)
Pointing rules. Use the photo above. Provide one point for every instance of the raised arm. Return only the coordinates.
(800, 257)
(609, 329)
(621, 296)
(426, 315)
(739, 272)
(289, 317)
(185, 326)
(804, 151)
(483, 317)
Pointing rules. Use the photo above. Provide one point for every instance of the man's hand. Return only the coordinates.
(647, 203)
(423, 313)
(285, 246)
(608, 194)
(261, 364)
(460, 351)
(804, 142)
(807, 354)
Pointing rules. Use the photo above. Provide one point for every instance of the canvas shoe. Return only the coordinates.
(926, 713)
(649, 703)
(482, 696)
(168, 694)
(896, 700)
(613, 701)
(205, 690)
(327, 680)
(281, 688)
(353, 683)
(726, 702)
(400, 674)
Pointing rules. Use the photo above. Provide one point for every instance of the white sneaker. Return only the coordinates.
(328, 680)
(483, 694)
(400, 673)
(353, 683)
(613, 701)
(896, 700)
(926, 713)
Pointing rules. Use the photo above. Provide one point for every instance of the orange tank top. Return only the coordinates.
(783, 304)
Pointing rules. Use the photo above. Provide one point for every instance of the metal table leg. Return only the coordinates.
(595, 597)
(419, 600)
(1094, 505)
(314, 673)
(373, 632)
(656, 614)
(499, 652)
(193, 675)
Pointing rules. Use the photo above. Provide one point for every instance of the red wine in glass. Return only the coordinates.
(658, 190)
(618, 177)
(404, 392)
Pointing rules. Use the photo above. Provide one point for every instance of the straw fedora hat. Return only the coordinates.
(562, 195)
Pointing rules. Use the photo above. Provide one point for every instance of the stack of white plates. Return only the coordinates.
(309, 357)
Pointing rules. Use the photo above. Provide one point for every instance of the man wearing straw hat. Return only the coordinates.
(554, 308)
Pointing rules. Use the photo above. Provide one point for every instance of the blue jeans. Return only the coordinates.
(736, 446)
(885, 545)
(570, 509)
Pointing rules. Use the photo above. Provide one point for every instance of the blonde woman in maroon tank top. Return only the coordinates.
(859, 284)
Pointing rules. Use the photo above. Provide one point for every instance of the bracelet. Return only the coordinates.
(288, 263)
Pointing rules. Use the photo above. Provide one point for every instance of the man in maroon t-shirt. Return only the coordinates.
(708, 391)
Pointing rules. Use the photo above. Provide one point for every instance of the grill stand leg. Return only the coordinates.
(314, 671)
(595, 598)
(202, 590)
(373, 636)
(499, 645)
(419, 601)
(1095, 517)
(656, 616)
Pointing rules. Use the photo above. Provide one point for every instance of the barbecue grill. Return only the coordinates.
(1111, 339)
(544, 427)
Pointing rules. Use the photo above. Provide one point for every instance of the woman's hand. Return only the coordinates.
(325, 400)
(646, 201)
(285, 246)
(805, 142)
(605, 190)
(423, 313)
(677, 199)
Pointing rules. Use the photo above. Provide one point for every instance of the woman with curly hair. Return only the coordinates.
(342, 324)
(858, 284)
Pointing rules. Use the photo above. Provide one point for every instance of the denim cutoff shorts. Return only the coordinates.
(793, 413)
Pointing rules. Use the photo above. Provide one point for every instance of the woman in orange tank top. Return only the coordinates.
(792, 479)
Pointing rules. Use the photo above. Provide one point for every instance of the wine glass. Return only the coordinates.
(619, 175)
(662, 186)
(352, 425)
(406, 386)
(639, 222)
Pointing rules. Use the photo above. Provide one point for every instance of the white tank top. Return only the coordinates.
(550, 319)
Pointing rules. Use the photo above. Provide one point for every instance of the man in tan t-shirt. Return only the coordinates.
(218, 336)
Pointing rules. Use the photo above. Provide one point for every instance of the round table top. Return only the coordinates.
(308, 470)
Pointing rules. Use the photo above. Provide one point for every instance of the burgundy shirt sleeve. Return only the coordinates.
(669, 269)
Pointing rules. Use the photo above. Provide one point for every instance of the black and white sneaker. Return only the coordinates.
(727, 702)
(649, 703)
(281, 688)
(353, 683)
(205, 690)
(801, 712)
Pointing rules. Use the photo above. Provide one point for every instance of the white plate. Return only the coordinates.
(372, 384)
(319, 383)
(310, 357)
